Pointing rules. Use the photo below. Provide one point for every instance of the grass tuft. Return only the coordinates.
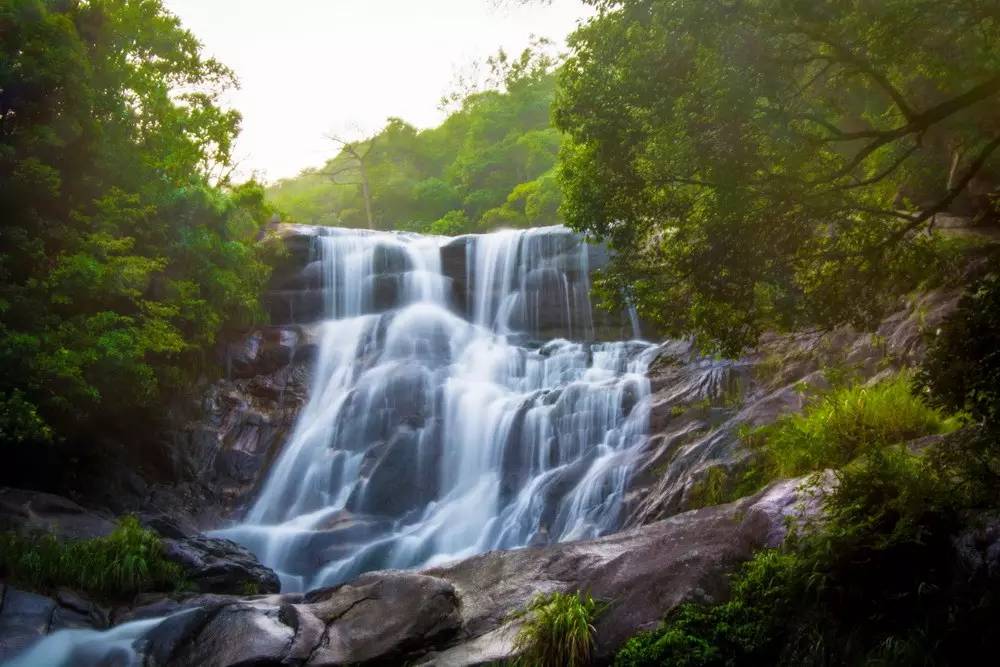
(128, 561)
(558, 631)
(845, 423)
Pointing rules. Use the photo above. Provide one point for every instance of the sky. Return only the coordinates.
(309, 68)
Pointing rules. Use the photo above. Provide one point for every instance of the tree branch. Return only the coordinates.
(949, 197)
(863, 65)
(878, 177)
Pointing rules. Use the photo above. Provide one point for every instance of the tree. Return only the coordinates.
(776, 163)
(488, 164)
(356, 153)
(124, 250)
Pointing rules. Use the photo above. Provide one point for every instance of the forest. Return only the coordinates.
(490, 164)
(679, 345)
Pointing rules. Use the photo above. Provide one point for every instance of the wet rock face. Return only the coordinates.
(215, 565)
(558, 276)
(224, 445)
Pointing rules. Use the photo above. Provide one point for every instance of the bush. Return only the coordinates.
(558, 631)
(962, 368)
(879, 581)
(728, 633)
(130, 560)
(844, 424)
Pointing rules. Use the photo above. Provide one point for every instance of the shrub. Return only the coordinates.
(844, 424)
(558, 631)
(878, 581)
(962, 368)
(730, 633)
(128, 561)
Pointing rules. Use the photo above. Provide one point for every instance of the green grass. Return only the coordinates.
(841, 425)
(836, 428)
(128, 561)
(558, 631)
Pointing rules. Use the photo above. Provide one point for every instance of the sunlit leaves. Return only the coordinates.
(120, 260)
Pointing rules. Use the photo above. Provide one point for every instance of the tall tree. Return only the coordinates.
(772, 163)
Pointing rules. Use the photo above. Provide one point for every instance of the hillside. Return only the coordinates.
(488, 165)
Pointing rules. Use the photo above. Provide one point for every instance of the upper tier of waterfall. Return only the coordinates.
(458, 404)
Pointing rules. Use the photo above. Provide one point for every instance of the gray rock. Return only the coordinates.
(379, 618)
(383, 616)
(221, 566)
(30, 511)
(24, 619)
(700, 405)
(643, 573)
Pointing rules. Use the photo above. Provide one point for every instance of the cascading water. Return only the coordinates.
(441, 422)
(430, 435)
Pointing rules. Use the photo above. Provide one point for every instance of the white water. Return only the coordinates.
(74, 648)
(430, 437)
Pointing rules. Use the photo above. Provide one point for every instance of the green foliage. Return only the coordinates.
(128, 561)
(773, 164)
(735, 632)
(841, 425)
(962, 369)
(124, 251)
(712, 489)
(877, 582)
(558, 631)
(489, 164)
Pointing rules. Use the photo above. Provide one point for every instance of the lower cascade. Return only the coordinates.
(441, 423)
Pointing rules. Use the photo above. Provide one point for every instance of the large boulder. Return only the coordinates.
(27, 511)
(217, 565)
(378, 619)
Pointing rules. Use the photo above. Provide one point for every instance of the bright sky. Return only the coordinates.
(311, 67)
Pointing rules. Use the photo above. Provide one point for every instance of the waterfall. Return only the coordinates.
(441, 425)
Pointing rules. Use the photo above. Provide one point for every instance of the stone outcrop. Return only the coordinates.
(227, 444)
(211, 565)
(700, 405)
(216, 565)
(377, 619)
(642, 573)
(35, 511)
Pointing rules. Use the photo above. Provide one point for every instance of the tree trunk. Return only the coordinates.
(366, 193)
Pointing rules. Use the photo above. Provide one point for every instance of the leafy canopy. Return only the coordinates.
(771, 163)
(124, 249)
